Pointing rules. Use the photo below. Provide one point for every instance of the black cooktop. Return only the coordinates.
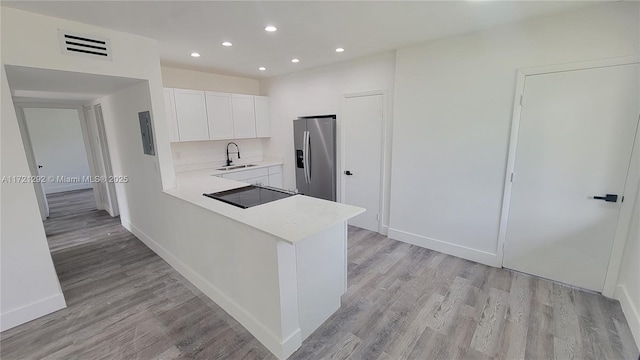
(248, 196)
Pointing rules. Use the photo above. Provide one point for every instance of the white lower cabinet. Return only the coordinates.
(260, 181)
(245, 175)
(271, 176)
(275, 176)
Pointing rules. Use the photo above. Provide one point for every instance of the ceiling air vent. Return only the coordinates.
(84, 45)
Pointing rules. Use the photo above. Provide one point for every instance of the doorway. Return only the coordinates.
(362, 128)
(104, 191)
(570, 157)
(66, 146)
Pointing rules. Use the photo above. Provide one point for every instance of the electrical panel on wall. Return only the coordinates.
(147, 133)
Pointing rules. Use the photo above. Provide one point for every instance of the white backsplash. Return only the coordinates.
(199, 155)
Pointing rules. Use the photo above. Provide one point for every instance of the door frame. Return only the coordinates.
(384, 143)
(112, 200)
(41, 197)
(88, 145)
(631, 181)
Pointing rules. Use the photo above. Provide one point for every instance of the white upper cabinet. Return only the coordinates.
(262, 116)
(219, 115)
(195, 115)
(244, 116)
(170, 110)
(191, 113)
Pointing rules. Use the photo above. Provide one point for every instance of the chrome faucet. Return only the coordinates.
(229, 161)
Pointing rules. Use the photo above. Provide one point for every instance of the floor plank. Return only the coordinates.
(403, 302)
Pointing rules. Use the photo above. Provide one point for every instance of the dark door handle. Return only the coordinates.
(348, 173)
(39, 166)
(608, 198)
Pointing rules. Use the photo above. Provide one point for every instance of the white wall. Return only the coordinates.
(198, 80)
(56, 137)
(134, 57)
(453, 110)
(628, 289)
(29, 284)
(319, 92)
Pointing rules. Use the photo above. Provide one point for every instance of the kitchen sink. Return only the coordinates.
(234, 167)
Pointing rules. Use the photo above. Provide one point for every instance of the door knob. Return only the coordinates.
(349, 173)
(608, 198)
(39, 166)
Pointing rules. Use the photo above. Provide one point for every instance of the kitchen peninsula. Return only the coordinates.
(278, 268)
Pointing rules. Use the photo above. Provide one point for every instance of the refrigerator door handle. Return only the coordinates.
(308, 155)
(307, 171)
(304, 155)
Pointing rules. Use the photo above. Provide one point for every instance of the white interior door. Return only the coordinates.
(575, 140)
(362, 124)
(43, 203)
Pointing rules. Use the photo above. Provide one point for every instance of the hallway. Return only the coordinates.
(74, 220)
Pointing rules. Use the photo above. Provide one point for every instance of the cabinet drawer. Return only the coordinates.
(275, 180)
(246, 174)
(275, 169)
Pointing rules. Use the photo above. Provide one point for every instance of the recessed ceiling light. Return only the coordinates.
(195, 54)
(262, 68)
(339, 50)
(295, 60)
(226, 43)
(270, 28)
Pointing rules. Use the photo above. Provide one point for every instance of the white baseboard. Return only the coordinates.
(281, 349)
(31, 311)
(445, 247)
(384, 230)
(67, 187)
(630, 312)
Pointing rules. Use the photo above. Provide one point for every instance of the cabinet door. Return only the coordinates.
(275, 176)
(260, 181)
(275, 180)
(170, 110)
(263, 127)
(191, 113)
(244, 117)
(219, 116)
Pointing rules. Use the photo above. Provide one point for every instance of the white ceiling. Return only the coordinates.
(308, 30)
(43, 85)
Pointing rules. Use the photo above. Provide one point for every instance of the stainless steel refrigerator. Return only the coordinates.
(315, 155)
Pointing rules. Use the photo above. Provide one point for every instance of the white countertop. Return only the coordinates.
(290, 219)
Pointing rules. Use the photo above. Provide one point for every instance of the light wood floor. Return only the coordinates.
(124, 302)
